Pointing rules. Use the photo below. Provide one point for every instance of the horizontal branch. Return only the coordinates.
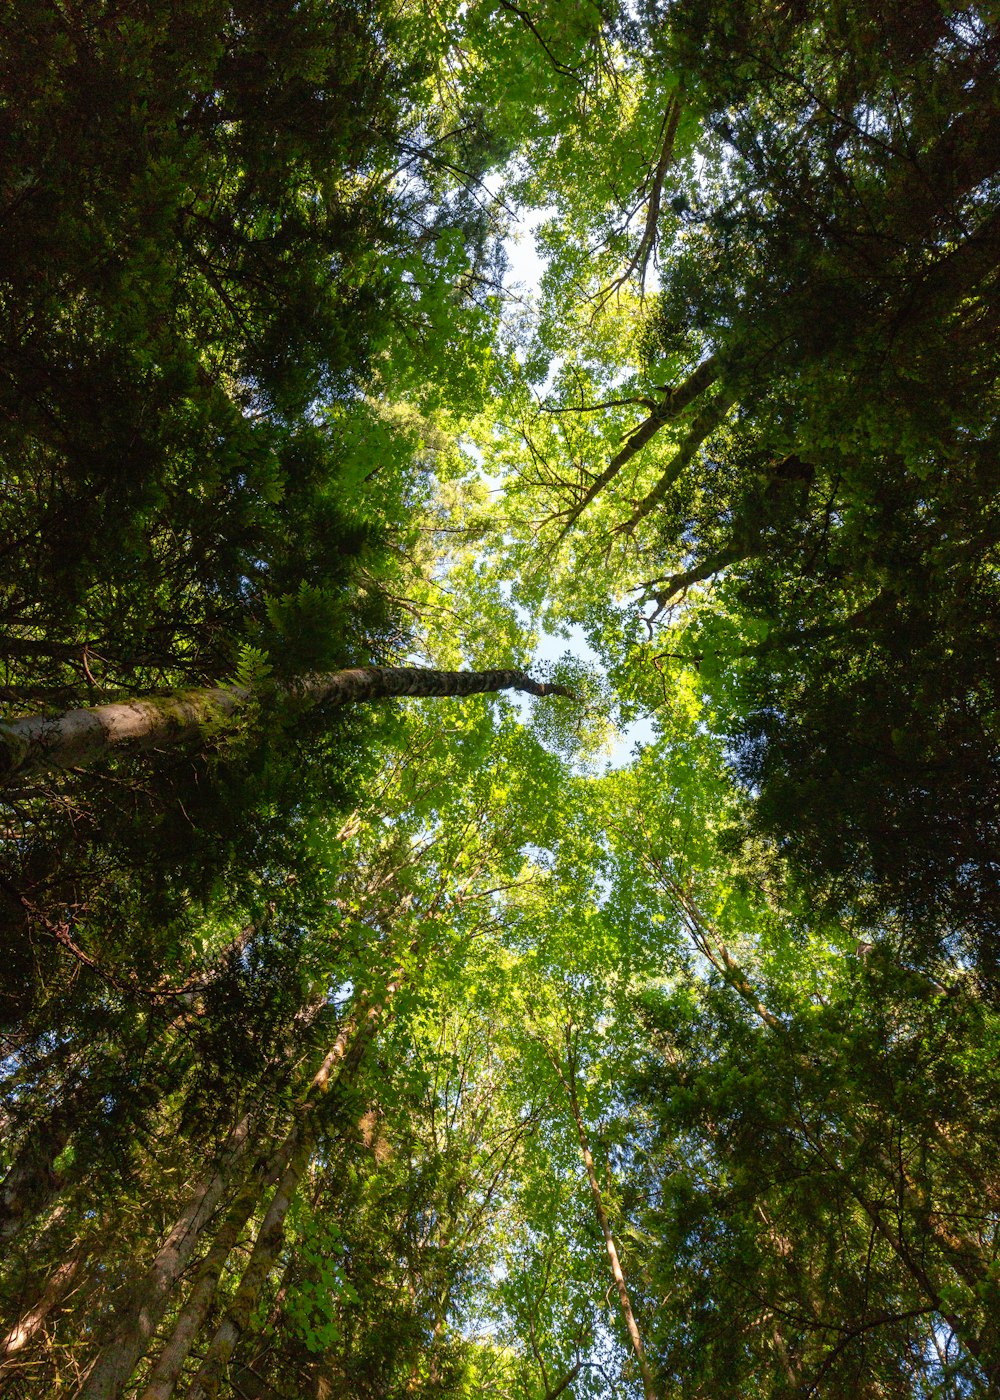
(45, 744)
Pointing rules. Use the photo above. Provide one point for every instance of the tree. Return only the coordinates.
(805, 415)
(210, 264)
(381, 1050)
(81, 736)
(817, 1231)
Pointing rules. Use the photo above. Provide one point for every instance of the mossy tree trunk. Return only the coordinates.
(44, 744)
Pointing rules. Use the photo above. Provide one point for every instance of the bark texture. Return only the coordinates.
(44, 744)
(116, 1362)
(338, 1066)
(31, 1322)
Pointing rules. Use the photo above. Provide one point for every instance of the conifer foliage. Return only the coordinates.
(368, 1029)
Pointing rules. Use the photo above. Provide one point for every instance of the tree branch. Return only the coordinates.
(704, 424)
(676, 400)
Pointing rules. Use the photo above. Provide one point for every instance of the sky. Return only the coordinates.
(525, 272)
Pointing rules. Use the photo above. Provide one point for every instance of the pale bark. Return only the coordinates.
(265, 1251)
(31, 1321)
(170, 1362)
(165, 1374)
(115, 1363)
(45, 744)
(342, 1060)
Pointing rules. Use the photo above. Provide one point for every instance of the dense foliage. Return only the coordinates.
(443, 1047)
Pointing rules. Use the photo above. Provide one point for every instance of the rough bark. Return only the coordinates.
(45, 744)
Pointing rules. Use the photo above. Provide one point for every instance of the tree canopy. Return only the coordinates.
(368, 1028)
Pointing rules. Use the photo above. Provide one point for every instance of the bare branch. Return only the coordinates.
(639, 261)
(529, 23)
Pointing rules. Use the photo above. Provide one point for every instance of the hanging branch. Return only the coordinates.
(530, 25)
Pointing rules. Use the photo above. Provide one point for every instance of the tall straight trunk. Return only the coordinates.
(46, 744)
(166, 1372)
(32, 1183)
(114, 1365)
(266, 1247)
(342, 1061)
(617, 1272)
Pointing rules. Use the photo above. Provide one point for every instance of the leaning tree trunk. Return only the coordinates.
(32, 1183)
(340, 1064)
(166, 1371)
(114, 1365)
(45, 744)
(241, 1165)
(24, 1331)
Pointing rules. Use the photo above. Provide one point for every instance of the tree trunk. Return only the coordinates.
(113, 1368)
(341, 1062)
(618, 1274)
(676, 400)
(165, 1374)
(30, 1323)
(44, 744)
(32, 1183)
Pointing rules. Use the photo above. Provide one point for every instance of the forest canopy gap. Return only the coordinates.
(395, 1050)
